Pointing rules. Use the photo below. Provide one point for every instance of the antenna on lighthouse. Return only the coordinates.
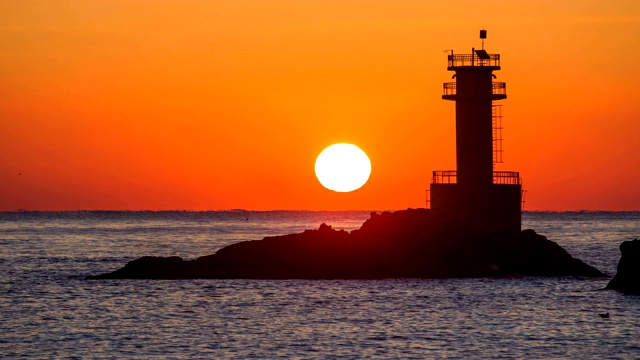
(483, 35)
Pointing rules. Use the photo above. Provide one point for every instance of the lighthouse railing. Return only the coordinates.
(497, 88)
(507, 177)
(456, 60)
(449, 88)
(499, 177)
(444, 177)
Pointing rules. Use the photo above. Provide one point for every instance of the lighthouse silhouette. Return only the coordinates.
(475, 196)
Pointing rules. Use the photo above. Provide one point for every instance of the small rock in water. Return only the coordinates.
(627, 279)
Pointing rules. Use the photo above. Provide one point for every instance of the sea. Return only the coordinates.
(48, 309)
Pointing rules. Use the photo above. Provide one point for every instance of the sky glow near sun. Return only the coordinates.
(343, 167)
(208, 105)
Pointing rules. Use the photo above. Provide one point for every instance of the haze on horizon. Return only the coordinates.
(216, 105)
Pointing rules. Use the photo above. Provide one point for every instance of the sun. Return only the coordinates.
(343, 167)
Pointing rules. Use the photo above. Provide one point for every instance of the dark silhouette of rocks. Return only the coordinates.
(627, 278)
(403, 244)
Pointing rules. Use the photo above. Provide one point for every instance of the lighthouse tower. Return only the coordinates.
(475, 195)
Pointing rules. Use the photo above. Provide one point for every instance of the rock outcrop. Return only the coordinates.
(403, 244)
(627, 278)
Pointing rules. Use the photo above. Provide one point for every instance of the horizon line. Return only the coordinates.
(283, 210)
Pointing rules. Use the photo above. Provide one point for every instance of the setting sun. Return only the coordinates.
(343, 167)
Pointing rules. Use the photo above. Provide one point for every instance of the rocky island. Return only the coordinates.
(472, 228)
(413, 243)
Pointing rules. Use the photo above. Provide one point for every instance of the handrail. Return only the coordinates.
(499, 177)
(444, 177)
(507, 177)
(449, 88)
(497, 88)
(456, 60)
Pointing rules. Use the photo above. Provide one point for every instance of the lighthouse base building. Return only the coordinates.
(495, 207)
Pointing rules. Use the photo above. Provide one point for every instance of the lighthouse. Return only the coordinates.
(475, 195)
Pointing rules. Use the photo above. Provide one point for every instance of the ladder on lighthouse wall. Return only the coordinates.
(496, 127)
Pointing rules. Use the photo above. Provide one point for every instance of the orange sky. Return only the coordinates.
(226, 104)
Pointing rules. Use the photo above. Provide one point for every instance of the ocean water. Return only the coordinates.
(48, 310)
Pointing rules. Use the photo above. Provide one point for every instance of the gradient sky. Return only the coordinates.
(226, 104)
